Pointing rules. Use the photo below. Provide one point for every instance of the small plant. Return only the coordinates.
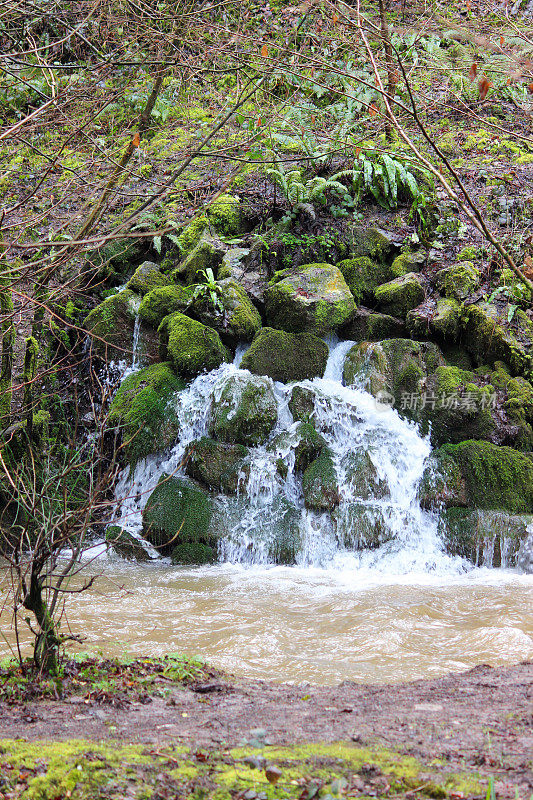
(208, 292)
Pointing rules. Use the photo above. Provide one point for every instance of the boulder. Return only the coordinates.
(245, 412)
(146, 277)
(487, 538)
(142, 409)
(233, 265)
(177, 521)
(441, 320)
(111, 327)
(361, 526)
(240, 320)
(370, 326)
(372, 243)
(363, 276)
(320, 483)
(408, 262)
(459, 280)
(400, 295)
(207, 254)
(302, 404)
(311, 299)
(489, 336)
(165, 300)
(217, 465)
(226, 216)
(115, 259)
(126, 544)
(286, 356)
(191, 346)
(301, 438)
(191, 235)
(362, 476)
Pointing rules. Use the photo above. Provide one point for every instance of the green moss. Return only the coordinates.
(488, 336)
(459, 280)
(194, 553)
(469, 253)
(192, 234)
(164, 300)
(240, 320)
(206, 255)
(116, 259)
(146, 277)
(370, 242)
(126, 544)
(142, 408)
(400, 295)
(191, 346)
(466, 533)
(319, 482)
(246, 411)
(226, 216)
(216, 464)
(495, 477)
(111, 324)
(286, 356)
(363, 276)
(403, 264)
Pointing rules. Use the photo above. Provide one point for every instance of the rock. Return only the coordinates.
(518, 405)
(487, 538)
(524, 557)
(311, 299)
(246, 411)
(400, 295)
(225, 215)
(233, 265)
(459, 280)
(126, 545)
(111, 325)
(497, 478)
(370, 326)
(191, 346)
(207, 254)
(141, 407)
(146, 277)
(177, 520)
(372, 243)
(366, 367)
(215, 464)
(489, 337)
(302, 404)
(362, 476)
(361, 526)
(407, 262)
(442, 320)
(286, 356)
(240, 320)
(164, 300)
(192, 234)
(304, 440)
(319, 483)
(115, 259)
(363, 276)
(442, 484)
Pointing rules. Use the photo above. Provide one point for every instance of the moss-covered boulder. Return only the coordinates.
(240, 320)
(518, 403)
(146, 277)
(226, 216)
(286, 356)
(399, 296)
(164, 300)
(407, 262)
(302, 404)
(191, 346)
(459, 280)
(488, 336)
(311, 299)
(303, 440)
(207, 254)
(141, 408)
(494, 477)
(116, 259)
(363, 276)
(245, 412)
(320, 483)
(370, 242)
(233, 265)
(371, 326)
(362, 526)
(217, 465)
(441, 320)
(191, 235)
(111, 326)
(127, 545)
(177, 521)
(362, 477)
(487, 538)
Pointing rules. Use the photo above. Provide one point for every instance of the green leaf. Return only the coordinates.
(158, 243)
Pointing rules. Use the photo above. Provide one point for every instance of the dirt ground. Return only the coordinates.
(480, 720)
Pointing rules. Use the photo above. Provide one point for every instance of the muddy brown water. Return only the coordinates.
(291, 624)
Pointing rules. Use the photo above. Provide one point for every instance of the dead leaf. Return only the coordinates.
(273, 774)
(472, 72)
(484, 86)
(136, 140)
(264, 51)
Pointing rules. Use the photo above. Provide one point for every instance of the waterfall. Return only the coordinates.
(269, 508)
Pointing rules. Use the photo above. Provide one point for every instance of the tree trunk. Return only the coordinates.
(46, 645)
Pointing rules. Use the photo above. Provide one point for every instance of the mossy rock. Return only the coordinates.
(192, 234)
(311, 299)
(226, 216)
(407, 262)
(399, 296)
(320, 483)
(515, 290)
(126, 545)
(362, 476)
(111, 325)
(495, 477)
(116, 259)
(372, 243)
(178, 513)
(366, 367)
(363, 276)
(142, 409)
(207, 254)
(487, 538)
(371, 326)
(443, 320)
(233, 265)
(217, 465)
(362, 526)
(245, 412)
(442, 484)
(164, 300)
(146, 277)
(192, 347)
(286, 356)
(459, 280)
(518, 405)
(303, 440)
(240, 320)
(302, 404)
(194, 554)
(489, 337)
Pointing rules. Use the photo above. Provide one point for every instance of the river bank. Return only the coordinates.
(441, 737)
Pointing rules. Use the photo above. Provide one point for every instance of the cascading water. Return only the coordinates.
(269, 507)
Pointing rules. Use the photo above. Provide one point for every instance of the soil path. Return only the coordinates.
(481, 719)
